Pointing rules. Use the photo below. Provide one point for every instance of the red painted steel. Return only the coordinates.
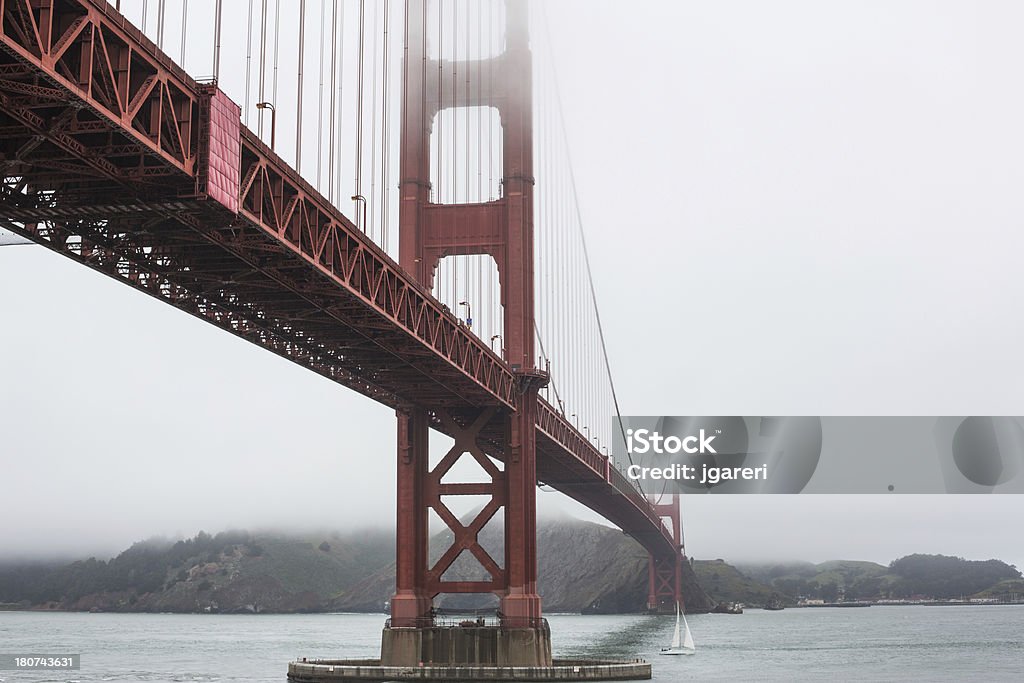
(112, 156)
(665, 579)
(504, 230)
(220, 156)
(88, 49)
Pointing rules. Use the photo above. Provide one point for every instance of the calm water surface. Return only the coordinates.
(873, 644)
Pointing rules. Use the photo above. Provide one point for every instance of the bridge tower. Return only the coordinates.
(665, 574)
(502, 229)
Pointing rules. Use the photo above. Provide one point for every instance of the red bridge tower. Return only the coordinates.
(502, 229)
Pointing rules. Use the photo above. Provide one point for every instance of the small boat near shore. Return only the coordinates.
(728, 608)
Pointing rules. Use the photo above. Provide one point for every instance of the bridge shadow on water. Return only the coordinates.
(617, 637)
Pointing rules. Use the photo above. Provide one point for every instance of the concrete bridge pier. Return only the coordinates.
(412, 636)
(490, 646)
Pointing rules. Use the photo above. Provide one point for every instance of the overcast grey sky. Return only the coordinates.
(792, 208)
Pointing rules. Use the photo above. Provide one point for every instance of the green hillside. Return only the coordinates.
(939, 577)
(234, 571)
(583, 567)
(725, 583)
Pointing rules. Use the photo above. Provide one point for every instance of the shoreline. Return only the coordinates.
(943, 603)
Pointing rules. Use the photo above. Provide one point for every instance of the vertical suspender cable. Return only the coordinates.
(373, 126)
(579, 348)
(546, 198)
(277, 43)
(248, 65)
(566, 357)
(486, 333)
(405, 91)
(332, 100)
(478, 274)
(438, 141)
(184, 28)
(339, 146)
(160, 24)
(438, 128)
(456, 262)
(298, 86)
(386, 128)
(216, 39)
(320, 103)
(263, 65)
(359, 106)
(490, 165)
(471, 280)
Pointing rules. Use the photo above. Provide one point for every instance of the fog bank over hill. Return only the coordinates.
(583, 567)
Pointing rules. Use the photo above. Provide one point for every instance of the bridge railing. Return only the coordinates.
(558, 428)
(276, 199)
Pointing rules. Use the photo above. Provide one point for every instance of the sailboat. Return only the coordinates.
(683, 645)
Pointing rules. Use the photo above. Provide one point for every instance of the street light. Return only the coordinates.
(469, 313)
(361, 198)
(273, 121)
(493, 337)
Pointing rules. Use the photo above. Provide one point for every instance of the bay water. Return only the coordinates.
(897, 643)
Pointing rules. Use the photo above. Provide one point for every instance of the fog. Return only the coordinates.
(796, 208)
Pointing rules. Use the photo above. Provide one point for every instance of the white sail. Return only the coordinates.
(681, 645)
(688, 639)
(675, 636)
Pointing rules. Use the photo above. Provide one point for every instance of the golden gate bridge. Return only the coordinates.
(384, 197)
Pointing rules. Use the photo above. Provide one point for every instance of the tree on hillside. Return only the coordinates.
(945, 577)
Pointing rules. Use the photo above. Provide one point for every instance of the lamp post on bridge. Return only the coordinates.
(361, 198)
(501, 349)
(273, 121)
(469, 313)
